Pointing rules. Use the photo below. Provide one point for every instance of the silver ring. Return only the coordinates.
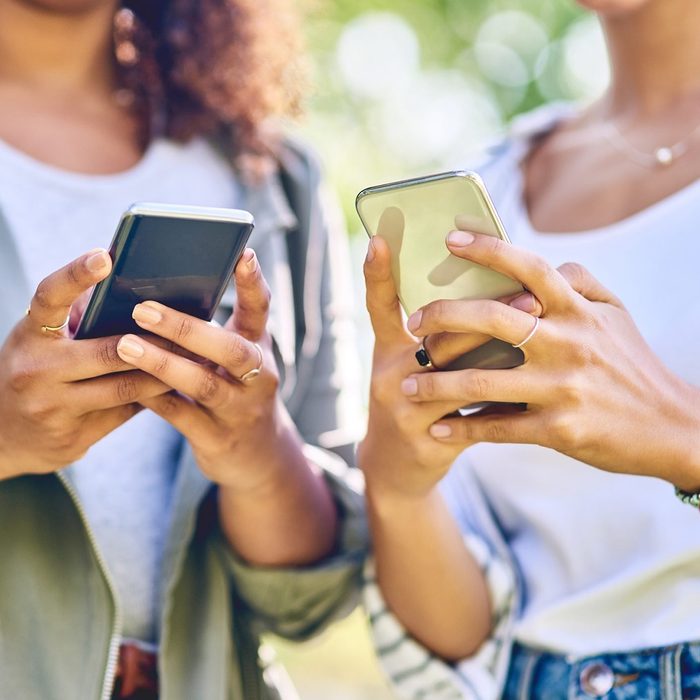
(530, 335)
(254, 373)
(423, 359)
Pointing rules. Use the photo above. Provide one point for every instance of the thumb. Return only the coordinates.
(252, 307)
(382, 299)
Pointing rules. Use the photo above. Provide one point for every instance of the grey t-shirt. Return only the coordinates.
(125, 481)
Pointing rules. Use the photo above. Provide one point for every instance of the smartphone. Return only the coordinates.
(414, 217)
(181, 256)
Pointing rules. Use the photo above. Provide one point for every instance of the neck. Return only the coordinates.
(57, 51)
(655, 56)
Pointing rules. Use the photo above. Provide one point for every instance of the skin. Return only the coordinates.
(59, 396)
(594, 390)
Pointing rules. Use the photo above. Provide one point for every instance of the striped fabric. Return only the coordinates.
(416, 674)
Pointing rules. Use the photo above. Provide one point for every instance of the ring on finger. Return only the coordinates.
(530, 335)
(423, 358)
(55, 329)
(254, 373)
(50, 329)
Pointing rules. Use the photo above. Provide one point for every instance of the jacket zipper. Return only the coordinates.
(116, 632)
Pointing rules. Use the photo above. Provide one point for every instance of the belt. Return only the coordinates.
(137, 674)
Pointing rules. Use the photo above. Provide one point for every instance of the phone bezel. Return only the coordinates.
(121, 236)
(470, 175)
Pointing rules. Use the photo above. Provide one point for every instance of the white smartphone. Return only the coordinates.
(414, 217)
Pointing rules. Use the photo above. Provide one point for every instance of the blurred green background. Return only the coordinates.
(410, 87)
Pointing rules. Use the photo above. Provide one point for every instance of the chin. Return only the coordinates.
(614, 8)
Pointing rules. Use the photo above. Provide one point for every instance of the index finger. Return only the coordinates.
(534, 272)
(56, 293)
(382, 299)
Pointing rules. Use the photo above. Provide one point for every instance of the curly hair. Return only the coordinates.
(214, 68)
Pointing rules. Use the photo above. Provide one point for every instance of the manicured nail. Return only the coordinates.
(440, 431)
(143, 313)
(459, 239)
(525, 302)
(370, 251)
(409, 386)
(97, 261)
(414, 320)
(128, 347)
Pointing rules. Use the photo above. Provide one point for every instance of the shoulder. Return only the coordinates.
(497, 162)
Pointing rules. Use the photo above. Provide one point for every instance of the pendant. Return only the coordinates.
(664, 156)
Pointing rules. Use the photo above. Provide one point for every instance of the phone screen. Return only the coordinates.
(414, 217)
(182, 257)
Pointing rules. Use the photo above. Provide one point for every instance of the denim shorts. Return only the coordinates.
(666, 673)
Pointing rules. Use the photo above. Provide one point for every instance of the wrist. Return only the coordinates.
(266, 462)
(685, 437)
(388, 503)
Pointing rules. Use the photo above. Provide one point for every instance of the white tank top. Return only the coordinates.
(609, 562)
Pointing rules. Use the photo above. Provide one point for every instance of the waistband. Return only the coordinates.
(663, 673)
(137, 674)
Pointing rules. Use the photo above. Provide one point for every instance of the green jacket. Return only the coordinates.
(59, 619)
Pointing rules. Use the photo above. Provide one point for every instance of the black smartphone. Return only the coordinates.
(181, 256)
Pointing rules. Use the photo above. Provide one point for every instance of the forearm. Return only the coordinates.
(288, 517)
(426, 574)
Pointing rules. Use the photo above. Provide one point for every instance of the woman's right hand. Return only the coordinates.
(59, 396)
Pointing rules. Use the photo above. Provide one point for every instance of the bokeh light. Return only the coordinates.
(378, 54)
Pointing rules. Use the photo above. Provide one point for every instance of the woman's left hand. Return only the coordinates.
(593, 387)
(228, 420)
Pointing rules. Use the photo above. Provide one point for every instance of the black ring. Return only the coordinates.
(423, 358)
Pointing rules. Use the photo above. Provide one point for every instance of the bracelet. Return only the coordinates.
(690, 499)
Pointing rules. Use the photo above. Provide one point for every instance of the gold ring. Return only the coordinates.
(254, 373)
(530, 335)
(54, 329)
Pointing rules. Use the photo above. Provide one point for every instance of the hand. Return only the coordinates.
(398, 455)
(229, 423)
(59, 396)
(594, 389)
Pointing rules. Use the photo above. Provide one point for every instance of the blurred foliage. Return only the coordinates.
(407, 87)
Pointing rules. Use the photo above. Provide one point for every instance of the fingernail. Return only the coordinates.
(97, 261)
(251, 262)
(409, 386)
(440, 430)
(414, 320)
(370, 251)
(525, 302)
(143, 313)
(459, 239)
(128, 347)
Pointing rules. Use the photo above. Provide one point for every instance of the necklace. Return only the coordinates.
(661, 157)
